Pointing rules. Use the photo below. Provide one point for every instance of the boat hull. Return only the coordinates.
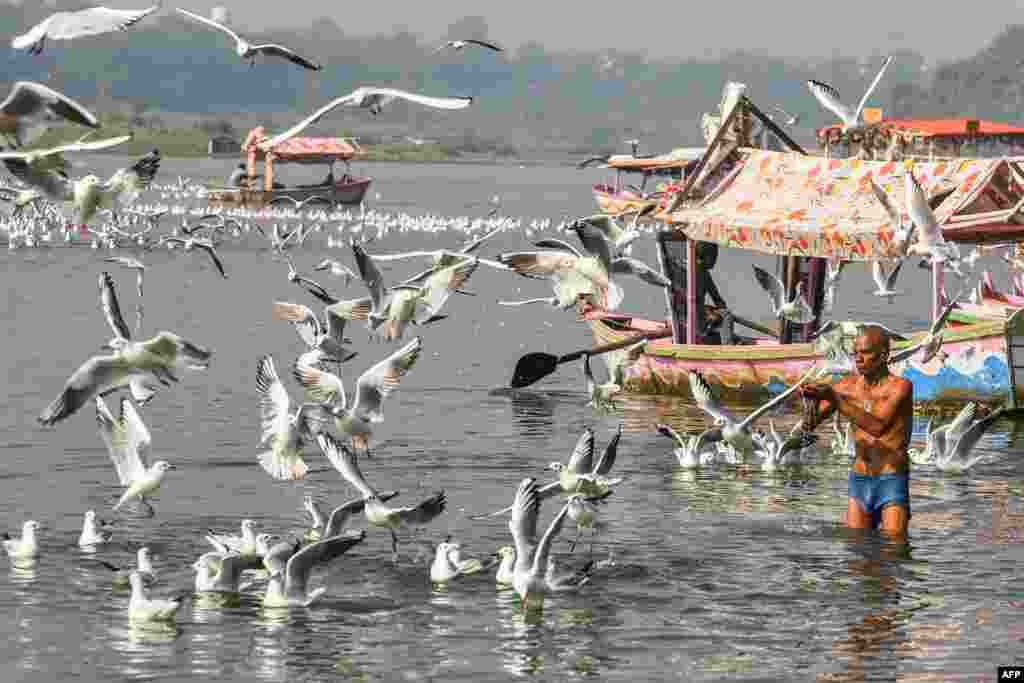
(350, 192)
(979, 365)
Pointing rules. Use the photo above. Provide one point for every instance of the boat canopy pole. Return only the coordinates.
(772, 126)
(670, 292)
(712, 146)
(691, 291)
(938, 283)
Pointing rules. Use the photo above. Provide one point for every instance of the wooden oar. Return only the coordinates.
(537, 365)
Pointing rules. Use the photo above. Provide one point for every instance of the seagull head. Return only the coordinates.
(162, 466)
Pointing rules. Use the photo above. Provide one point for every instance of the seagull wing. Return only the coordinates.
(52, 183)
(963, 446)
(750, 419)
(706, 399)
(377, 383)
(555, 243)
(322, 387)
(426, 100)
(828, 97)
(300, 565)
(281, 51)
(890, 280)
(871, 88)
(920, 212)
(582, 459)
(123, 437)
(878, 275)
(772, 285)
(481, 43)
(523, 523)
(883, 198)
(666, 430)
(302, 317)
(274, 402)
(352, 309)
(611, 451)
(540, 555)
(345, 462)
(440, 285)
(940, 322)
(595, 243)
(323, 111)
(961, 422)
(36, 107)
(87, 22)
(538, 262)
(210, 22)
(425, 511)
(632, 266)
(208, 248)
(111, 309)
(370, 275)
(474, 244)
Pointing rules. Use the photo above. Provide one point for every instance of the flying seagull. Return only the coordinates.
(885, 281)
(828, 97)
(930, 241)
(249, 51)
(288, 588)
(366, 97)
(45, 170)
(795, 310)
(128, 441)
(459, 44)
(92, 21)
(31, 108)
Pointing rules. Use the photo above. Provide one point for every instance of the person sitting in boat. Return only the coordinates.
(881, 407)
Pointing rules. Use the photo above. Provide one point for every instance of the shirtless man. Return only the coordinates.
(881, 407)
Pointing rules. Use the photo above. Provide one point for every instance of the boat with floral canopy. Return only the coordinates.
(261, 189)
(807, 210)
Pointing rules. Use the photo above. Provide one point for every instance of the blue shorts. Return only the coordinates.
(873, 493)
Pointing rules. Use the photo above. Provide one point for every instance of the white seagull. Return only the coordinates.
(244, 544)
(128, 441)
(687, 455)
(458, 45)
(26, 547)
(448, 563)
(143, 565)
(930, 241)
(133, 264)
(356, 418)
(32, 108)
(530, 569)
(795, 310)
(220, 573)
(248, 51)
(91, 535)
(45, 170)
(284, 431)
(86, 22)
(366, 97)
(738, 434)
(147, 363)
(828, 97)
(290, 589)
(328, 335)
(951, 445)
(833, 271)
(143, 608)
(885, 281)
(377, 513)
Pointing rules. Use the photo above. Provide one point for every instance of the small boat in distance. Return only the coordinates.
(260, 189)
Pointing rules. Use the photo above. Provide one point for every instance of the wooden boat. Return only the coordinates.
(926, 139)
(618, 197)
(348, 189)
(806, 210)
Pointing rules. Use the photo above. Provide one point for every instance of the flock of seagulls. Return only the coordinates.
(340, 426)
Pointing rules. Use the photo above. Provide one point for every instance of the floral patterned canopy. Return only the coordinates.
(303, 150)
(786, 203)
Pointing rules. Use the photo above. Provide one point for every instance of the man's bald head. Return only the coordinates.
(874, 337)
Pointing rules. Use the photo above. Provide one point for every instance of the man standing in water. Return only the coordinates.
(881, 407)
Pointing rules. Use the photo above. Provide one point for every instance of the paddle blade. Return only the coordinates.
(532, 367)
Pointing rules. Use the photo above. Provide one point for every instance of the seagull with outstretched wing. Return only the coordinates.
(828, 97)
(32, 108)
(249, 51)
(366, 97)
(91, 21)
(795, 310)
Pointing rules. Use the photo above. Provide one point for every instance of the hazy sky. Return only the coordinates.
(682, 28)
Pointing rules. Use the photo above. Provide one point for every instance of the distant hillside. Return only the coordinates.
(533, 100)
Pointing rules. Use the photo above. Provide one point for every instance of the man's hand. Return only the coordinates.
(818, 392)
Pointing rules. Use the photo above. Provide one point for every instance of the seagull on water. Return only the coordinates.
(449, 565)
(86, 22)
(602, 396)
(795, 310)
(220, 573)
(143, 608)
(26, 547)
(128, 442)
(377, 513)
(91, 535)
(686, 452)
(142, 363)
(143, 565)
(290, 588)
(45, 170)
(738, 434)
(366, 97)
(356, 418)
(530, 569)
(243, 544)
(31, 109)
(828, 97)
(248, 51)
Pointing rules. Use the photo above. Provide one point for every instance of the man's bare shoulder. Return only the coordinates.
(899, 385)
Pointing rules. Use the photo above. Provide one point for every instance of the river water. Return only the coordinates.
(723, 573)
